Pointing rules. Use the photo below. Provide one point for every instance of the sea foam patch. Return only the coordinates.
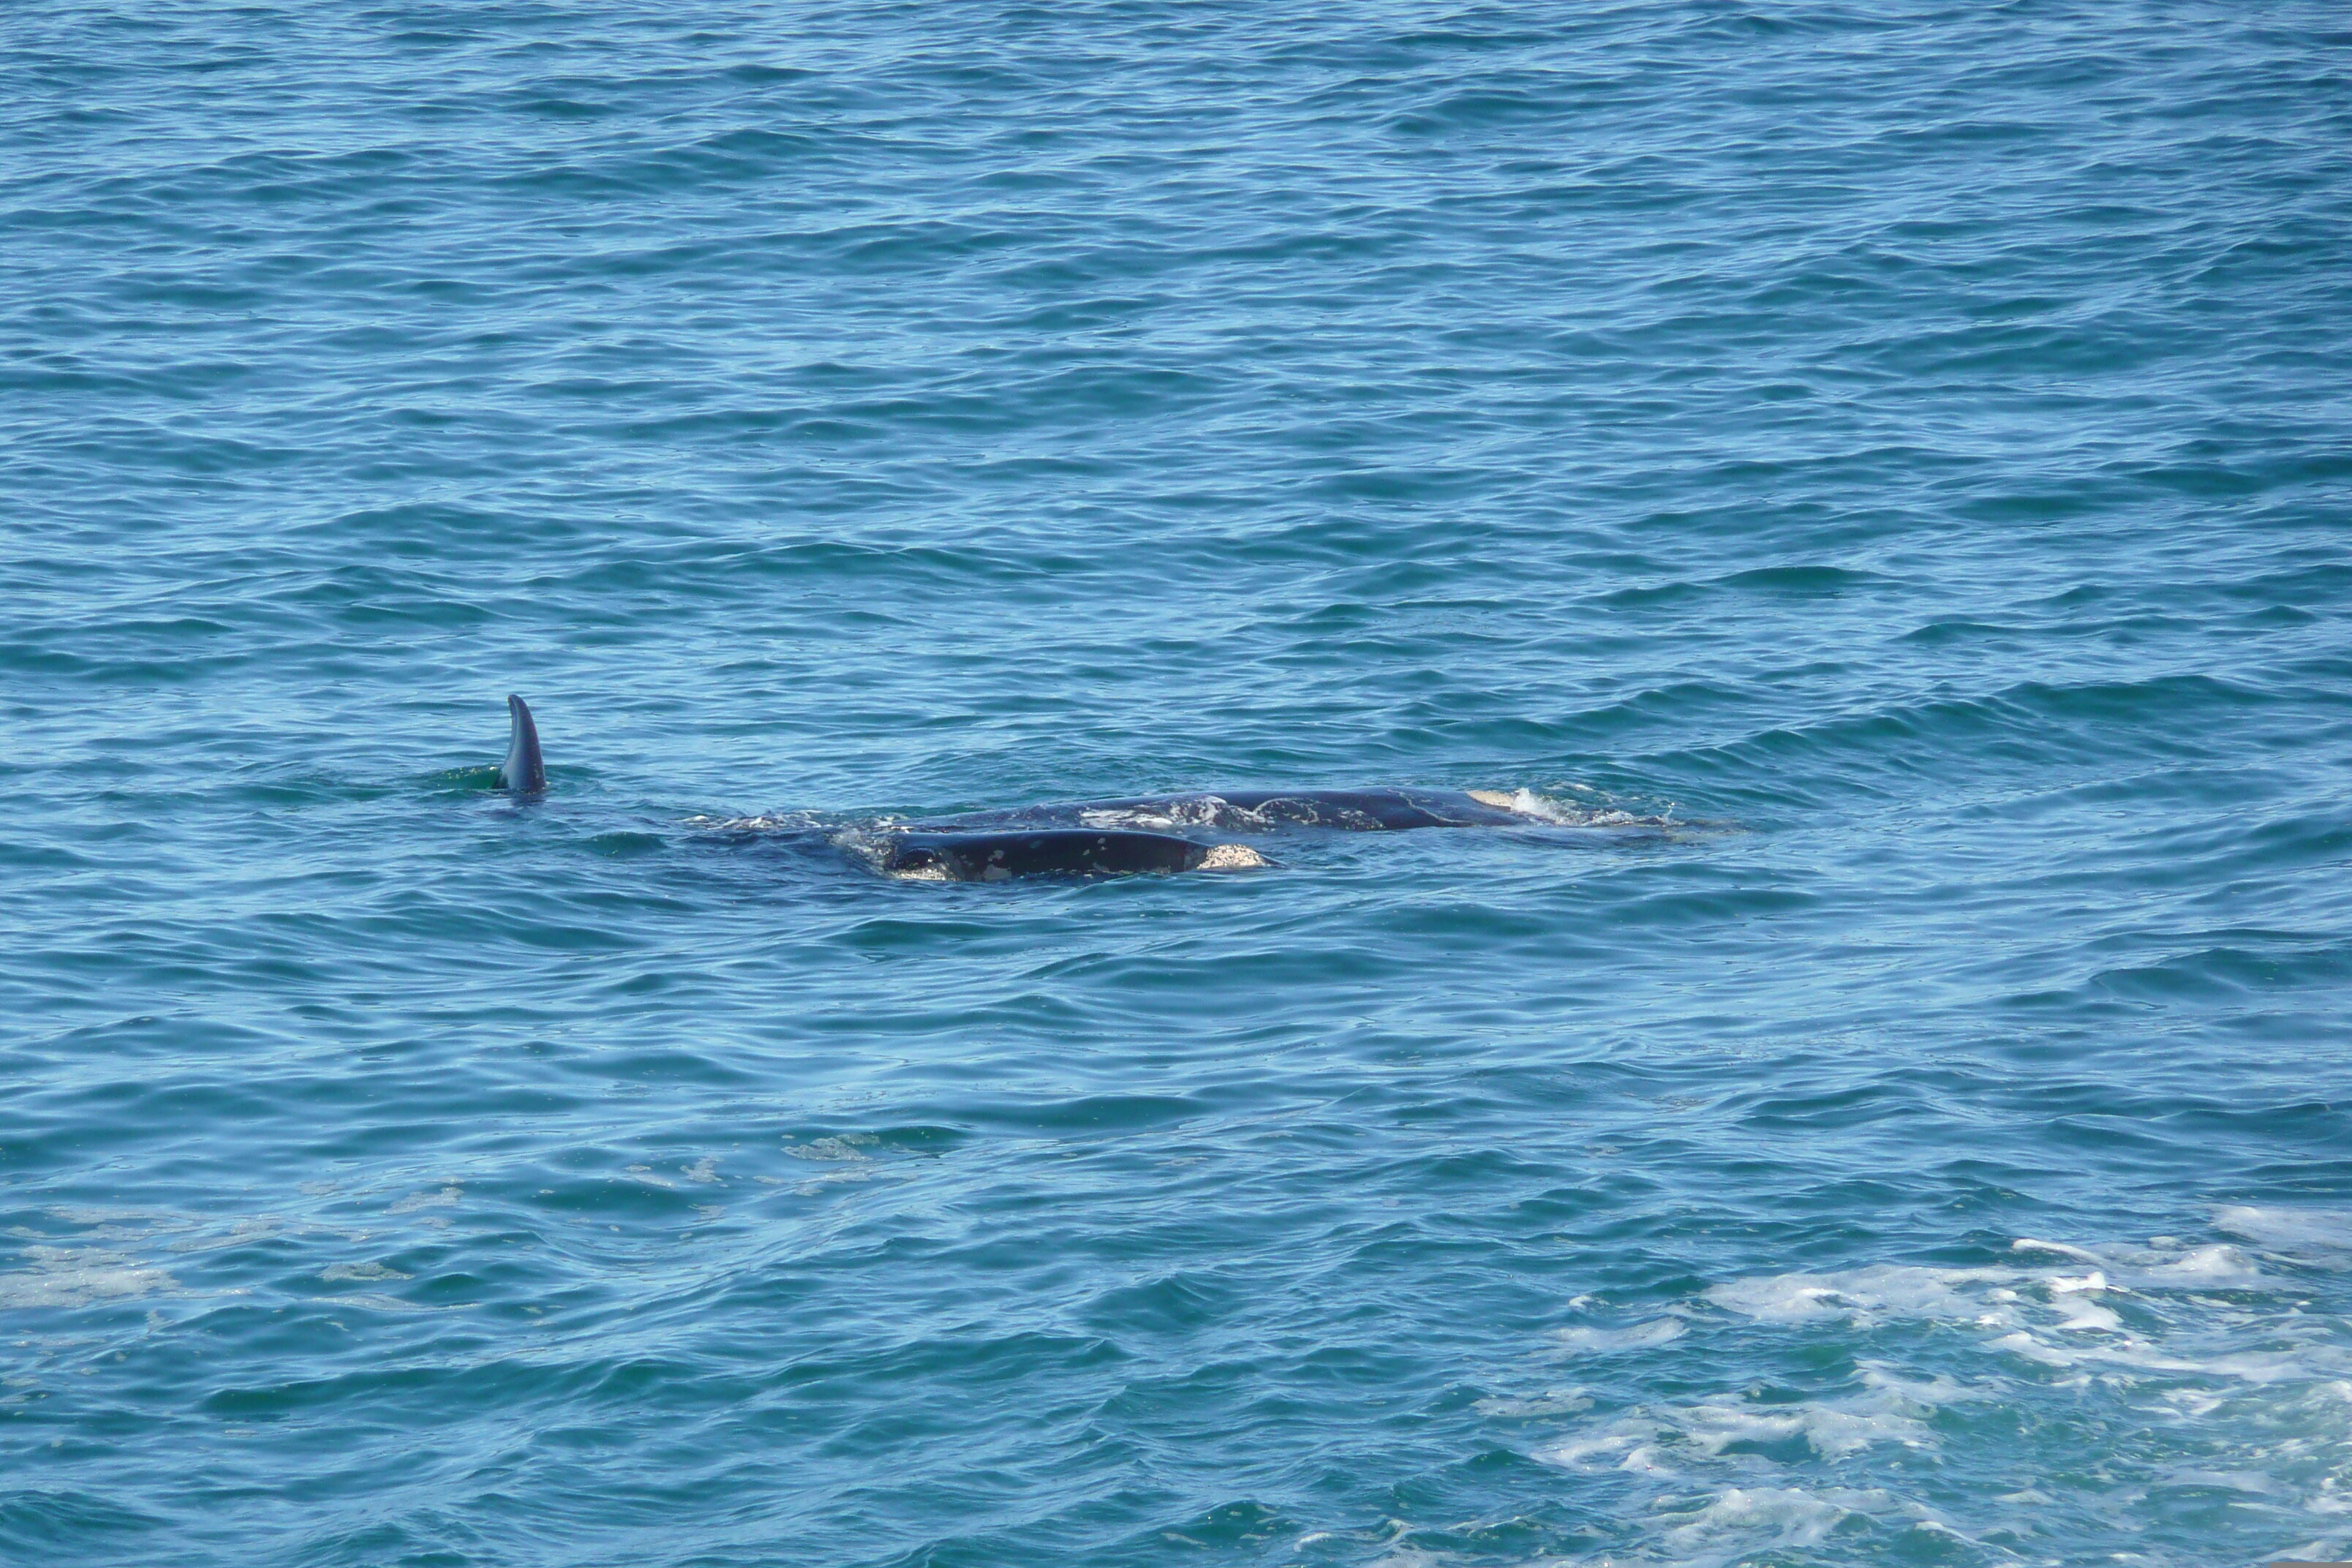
(2320, 1236)
(78, 1276)
(2000, 1412)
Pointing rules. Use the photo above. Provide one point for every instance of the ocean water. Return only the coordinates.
(1903, 448)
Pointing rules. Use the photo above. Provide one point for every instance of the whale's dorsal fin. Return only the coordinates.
(522, 772)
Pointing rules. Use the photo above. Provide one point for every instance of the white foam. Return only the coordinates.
(2073, 1297)
(1657, 1332)
(2168, 1265)
(2213, 1267)
(815, 1186)
(79, 1276)
(1590, 1452)
(1862, 1296)
(844, 1147)
(1936, 1389)
(2335, 1496)
(1646, 1459)
(766, 822)
(2180, 1345)
(1544, 808)
(1551, 1402)
(2138, 1355)
(375, 1301)
(1527, 803)
(1830, 1430)
(256, 1229)
(1988, 1297)
(147, 1219)
(447, 1197)
(2225, 1480)
(1200, 811)
(1785, 1516)
(2322, 1236)
(1889, 1409)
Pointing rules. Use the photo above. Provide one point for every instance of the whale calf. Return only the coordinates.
(1111, 837)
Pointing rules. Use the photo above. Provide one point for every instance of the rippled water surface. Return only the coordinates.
(1903, 446)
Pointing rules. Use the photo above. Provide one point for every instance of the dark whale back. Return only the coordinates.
(1050, 852)
(1357, 810)
(1386, 810)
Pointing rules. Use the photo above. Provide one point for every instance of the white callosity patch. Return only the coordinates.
(1232, 857)
(874, 849)
(2210, 1369)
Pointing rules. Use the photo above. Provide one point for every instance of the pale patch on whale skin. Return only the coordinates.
(1233, 857)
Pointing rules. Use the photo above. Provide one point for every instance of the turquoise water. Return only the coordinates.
(1904, 446)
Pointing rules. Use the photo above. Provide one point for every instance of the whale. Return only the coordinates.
(1125, 837)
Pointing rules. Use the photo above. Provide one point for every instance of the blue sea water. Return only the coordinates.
(1906, 446)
